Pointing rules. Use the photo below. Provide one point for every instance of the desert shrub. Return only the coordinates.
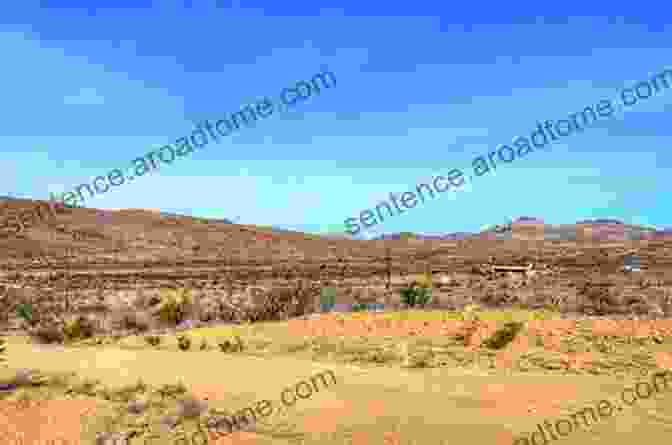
(229, 345)
(171, 390)
(597, 297)
(141, 300)
(3, 351)
(471, 312)
(22, 377)
(184, 342)
(48, 333)
(78, 328)
(190, 407)
(204, 345)
(137, 406)
(153, 340)
(174, 305)
(424, 280)
(131, 320)
(138, 321)
(415, 295)
(414, 359)
(302, 298)
(282, 302)
(504, 335)
(275, 306)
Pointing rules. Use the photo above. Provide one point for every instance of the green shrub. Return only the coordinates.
(327, 298)
(25, 312)
(359, 307)
(415, 295)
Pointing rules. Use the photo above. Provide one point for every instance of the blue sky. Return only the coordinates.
(422, 89)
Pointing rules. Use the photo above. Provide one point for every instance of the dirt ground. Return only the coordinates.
(386, 404)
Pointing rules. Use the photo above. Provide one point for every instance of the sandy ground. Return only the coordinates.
(378, 405)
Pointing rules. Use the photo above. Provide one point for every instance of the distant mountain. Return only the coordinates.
(600, 221)
(419, 236)
(528, 220)
(177, 215)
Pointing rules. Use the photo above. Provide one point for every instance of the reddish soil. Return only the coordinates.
(43, 422)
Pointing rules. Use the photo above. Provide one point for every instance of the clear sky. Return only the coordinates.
(422, 89)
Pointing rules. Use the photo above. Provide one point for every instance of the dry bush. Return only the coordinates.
(137, 406)
(153, 340)
(175, 305)
(79, 328)
(208, 313)
(142, 300)
(504, 335)
(48, 333)
(138, 321)
(596, 297)
(229, 345)
(3, 351)
(282, 302)
(190, 407)
(23, 377)
(184, 342)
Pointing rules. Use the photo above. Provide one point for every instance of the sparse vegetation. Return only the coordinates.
(462, 337)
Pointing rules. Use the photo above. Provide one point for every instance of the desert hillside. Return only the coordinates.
(84, 255)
